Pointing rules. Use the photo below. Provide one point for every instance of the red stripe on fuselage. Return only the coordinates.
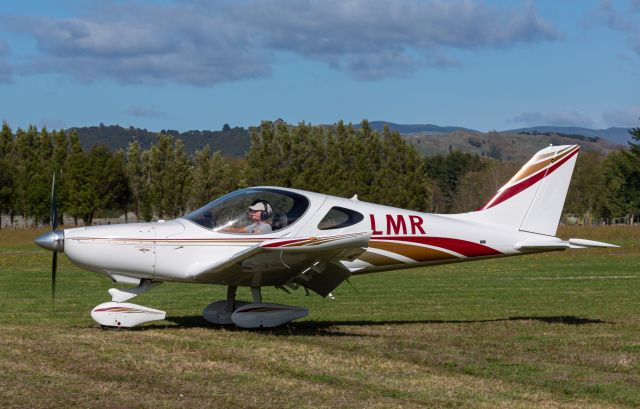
(464, 247)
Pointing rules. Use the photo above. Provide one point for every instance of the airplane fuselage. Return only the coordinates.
(176, 250)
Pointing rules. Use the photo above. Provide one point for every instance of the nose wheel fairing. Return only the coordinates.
(124, 315)
(120, 314)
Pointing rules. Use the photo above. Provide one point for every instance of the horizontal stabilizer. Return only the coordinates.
(584, 243)
(548, 245)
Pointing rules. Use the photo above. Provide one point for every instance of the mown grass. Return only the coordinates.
(550, 330)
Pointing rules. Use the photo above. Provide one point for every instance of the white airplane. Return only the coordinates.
(288, 238)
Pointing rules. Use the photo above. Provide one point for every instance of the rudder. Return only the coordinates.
(533, 198)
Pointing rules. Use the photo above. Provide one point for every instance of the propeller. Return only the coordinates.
(53, 240)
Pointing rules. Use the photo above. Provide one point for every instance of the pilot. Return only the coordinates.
(259, 214)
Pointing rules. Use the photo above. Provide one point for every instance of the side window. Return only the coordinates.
(338, 218)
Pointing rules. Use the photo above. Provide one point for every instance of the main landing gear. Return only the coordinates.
(251, 315)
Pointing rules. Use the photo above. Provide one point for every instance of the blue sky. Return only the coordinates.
(194, 64)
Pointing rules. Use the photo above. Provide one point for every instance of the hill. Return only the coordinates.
(229, 141)
(502, 145)
(616, 135)
(417, 128)
(517, 144)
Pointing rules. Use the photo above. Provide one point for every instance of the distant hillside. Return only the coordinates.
(416, 128)
(504, 146)
(517, 144)
(230, 142)
(616, 135)
(619, 136)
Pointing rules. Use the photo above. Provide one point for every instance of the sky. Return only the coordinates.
(195, 64)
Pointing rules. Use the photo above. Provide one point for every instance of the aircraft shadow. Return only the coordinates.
(333, 328)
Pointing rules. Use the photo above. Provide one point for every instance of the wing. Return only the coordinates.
(312, 262)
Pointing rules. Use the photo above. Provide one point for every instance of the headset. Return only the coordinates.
(267, 212)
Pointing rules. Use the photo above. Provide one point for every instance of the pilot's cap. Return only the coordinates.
(264, 206)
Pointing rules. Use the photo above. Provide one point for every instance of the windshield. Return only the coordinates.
(251, 211)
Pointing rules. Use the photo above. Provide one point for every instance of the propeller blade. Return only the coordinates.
(54, 269)
(54, 210)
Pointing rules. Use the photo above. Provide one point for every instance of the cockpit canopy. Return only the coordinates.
(230, 213)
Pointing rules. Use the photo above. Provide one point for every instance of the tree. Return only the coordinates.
(6, 171)
(264, 158)
(586, 191)
(621, 173)
(635, 147)
(446, 172)
(212, 177)
(622, 180)
(476, 187)
(169, 176)
(97, 181)
(134, 169)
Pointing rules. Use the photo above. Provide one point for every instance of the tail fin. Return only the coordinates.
(532, 200)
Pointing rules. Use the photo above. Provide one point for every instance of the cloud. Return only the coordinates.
(620, 21)
(205, 43)
(565, 118)
(6, 70)
(373, 39)
(144, 112)
(625, 118)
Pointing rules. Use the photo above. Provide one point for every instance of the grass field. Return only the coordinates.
(550, 330)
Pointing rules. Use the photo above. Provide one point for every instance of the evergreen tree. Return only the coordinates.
(169, 176)
(97, 182)
(212, 177)
(80, 196)
(635, 147)
(25, 159)
(309, 152)
(146, 198)
(6, 171)
(135, 175)
(585, 195)
(621, 185)
(446, 173)
(263, 161)
(40, 177)
(58, 166)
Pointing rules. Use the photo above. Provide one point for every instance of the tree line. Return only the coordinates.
(163, 181)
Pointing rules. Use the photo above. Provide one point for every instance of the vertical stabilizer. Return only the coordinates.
(533, 198)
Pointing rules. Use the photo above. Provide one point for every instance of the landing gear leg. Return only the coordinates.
(256, 292)
(230, 305)
(219, 312)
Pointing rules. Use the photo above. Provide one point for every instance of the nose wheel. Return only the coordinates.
(117, 313)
